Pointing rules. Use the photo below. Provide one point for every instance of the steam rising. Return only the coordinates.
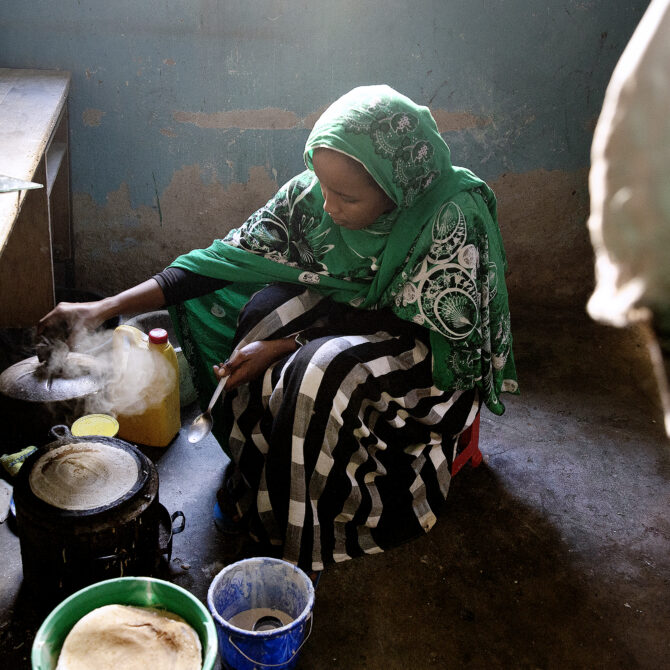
(132, 378)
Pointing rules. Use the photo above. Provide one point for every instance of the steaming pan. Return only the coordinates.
(31, 380)
(36, 400)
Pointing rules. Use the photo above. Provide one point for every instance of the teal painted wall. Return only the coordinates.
(186, 115)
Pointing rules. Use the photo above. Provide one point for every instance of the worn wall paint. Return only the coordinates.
(282, 119)
(92, 117)
(192, 213)
(118, 244)
(245, 119)
(547, 245)
(210, 102)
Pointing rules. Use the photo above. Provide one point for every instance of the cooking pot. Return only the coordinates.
(87, 509)
(35, 396)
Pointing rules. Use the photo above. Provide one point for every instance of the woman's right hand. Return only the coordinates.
(71, 317)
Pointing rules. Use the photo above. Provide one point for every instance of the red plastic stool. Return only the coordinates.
(468, 448)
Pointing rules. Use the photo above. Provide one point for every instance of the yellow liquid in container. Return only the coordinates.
(146, 391)
(95, 424)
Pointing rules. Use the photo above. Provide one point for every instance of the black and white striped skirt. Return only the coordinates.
(344, 447)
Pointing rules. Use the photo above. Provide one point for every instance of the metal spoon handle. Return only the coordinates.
(217, 392)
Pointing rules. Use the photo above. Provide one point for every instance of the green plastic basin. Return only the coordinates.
(137, 591)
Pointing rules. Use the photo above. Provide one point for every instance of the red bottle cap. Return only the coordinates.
(158, 336)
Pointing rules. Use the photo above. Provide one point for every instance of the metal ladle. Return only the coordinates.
(202, 425)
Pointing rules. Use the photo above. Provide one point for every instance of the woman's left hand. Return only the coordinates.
(252, 360)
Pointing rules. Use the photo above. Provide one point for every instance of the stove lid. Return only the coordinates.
(79, 375)
(86, 475)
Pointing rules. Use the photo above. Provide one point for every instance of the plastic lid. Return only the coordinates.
(95, 424)
(158, 336)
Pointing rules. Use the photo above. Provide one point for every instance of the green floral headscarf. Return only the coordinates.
(437, 259)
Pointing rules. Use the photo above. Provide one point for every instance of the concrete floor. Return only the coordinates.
(553, 554)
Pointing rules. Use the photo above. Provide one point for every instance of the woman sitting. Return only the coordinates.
(364, 317)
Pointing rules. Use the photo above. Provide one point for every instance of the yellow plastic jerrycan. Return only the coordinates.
(145, 393)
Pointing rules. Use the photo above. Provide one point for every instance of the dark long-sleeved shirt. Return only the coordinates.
(179, 285)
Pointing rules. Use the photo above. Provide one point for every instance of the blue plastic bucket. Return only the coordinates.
(256, 584)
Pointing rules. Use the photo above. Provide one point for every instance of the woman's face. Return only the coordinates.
(352, 197)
